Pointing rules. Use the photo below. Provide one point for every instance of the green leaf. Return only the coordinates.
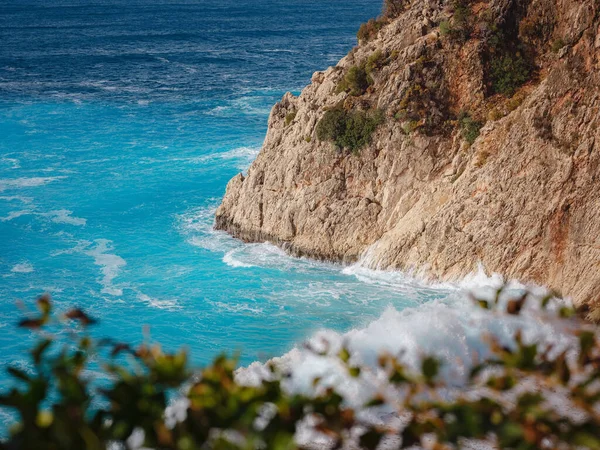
(82, 317)
(39, 349)
(529, 400)
(510, 434)
(566, 313)
(44, 305)
(19, 374)
(32, 324)
(587, 340)
(430, 368)
(587, 440)
(344, 354)
(371, 439)
(483, 304)
(398, 376)
(377, 401)
(546, 301)
(283, 441)
(354, 371)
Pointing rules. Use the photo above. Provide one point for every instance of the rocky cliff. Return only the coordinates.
(488, 149)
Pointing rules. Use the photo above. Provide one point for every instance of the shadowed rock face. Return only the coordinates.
(523, 199)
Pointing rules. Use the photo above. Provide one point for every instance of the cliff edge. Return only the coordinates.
(478, 142)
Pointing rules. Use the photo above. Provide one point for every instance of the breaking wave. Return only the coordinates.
(438, 319)
(454, 330)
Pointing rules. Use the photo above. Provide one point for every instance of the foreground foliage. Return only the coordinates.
(506, 400)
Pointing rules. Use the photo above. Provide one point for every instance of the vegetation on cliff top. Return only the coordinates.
(459, 26)
(391, 10)
(510, 398)
(508, 40)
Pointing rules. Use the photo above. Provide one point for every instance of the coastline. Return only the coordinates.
(516, 196)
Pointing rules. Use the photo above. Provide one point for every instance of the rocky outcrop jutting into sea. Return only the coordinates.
(489, 150)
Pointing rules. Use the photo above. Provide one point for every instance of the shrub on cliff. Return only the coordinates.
(414, 110)
(358, 78)
(508, 72)
(393, 8)
(523, 395)
(459, 27)
(509, 60)
(369, 30)
(469, 128)
(356, 81)
(289, 117)
(374, 62)
(350, 130)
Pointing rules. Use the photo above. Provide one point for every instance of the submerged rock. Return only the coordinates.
(489, 151)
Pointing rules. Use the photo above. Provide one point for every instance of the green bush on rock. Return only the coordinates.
(509, 61)
(469, 128)
(374, 62)
(350, 130)
(459, 27)
(289, 117)
(358, 78)
(508, 72)
(369, 30)
(445, 28)
(356, 81)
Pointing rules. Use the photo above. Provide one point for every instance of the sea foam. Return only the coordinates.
(65, 216)
(110, 265)
(22, 268)
(20, 183)
(168, 304)
(451, 326)
(455, 330)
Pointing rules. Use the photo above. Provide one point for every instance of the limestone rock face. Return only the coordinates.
(523, 199)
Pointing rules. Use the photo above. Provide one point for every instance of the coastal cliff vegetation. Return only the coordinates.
(457, 133)
(426, 105)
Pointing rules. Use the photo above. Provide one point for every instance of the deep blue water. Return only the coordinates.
(120, 124)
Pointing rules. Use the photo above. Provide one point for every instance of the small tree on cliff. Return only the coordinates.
(393, 8)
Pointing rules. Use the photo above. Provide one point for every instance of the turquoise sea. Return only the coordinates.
(121, 122)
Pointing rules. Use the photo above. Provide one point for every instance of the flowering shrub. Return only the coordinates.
(524, 396)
